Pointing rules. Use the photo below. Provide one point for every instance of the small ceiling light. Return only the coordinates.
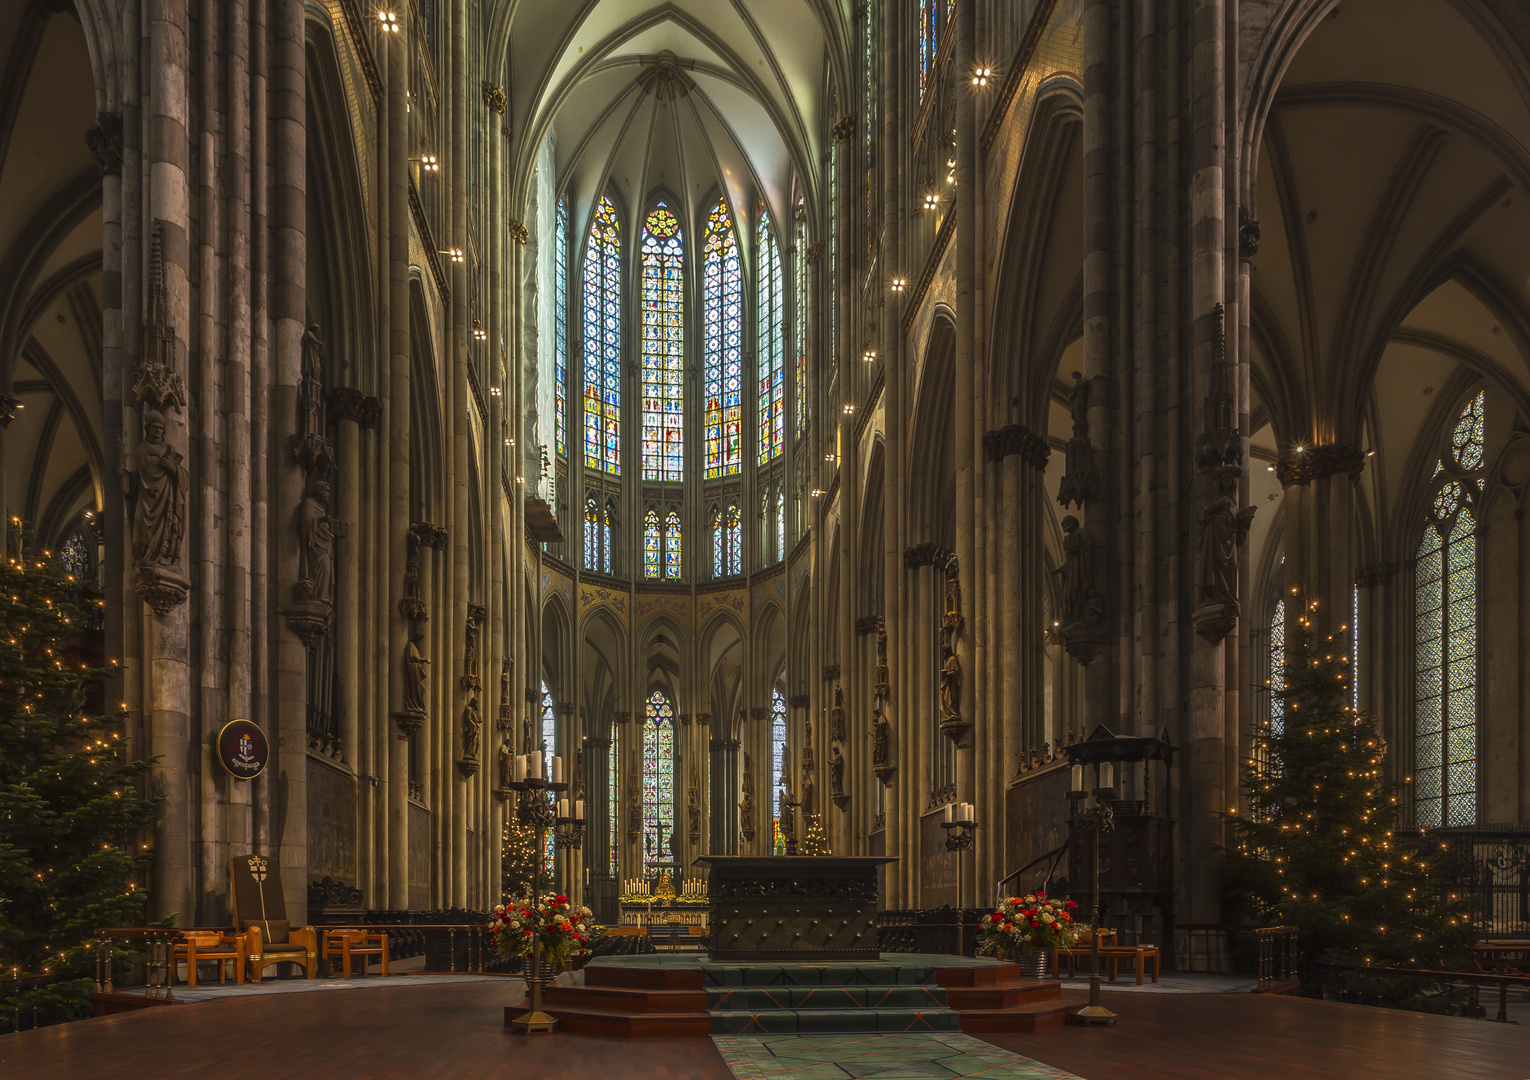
(816, 492)
(899, 284)
(389, 22)
(520, 479)
(932, 198)
(829, 458)
(480, 334)
(1301, 449)
(869, 355)
(455, 253)
(981, 76)
(849, 409)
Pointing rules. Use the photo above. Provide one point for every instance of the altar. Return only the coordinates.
(773, 908)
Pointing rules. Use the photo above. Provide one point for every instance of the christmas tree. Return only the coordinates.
(72, 824)
(518, 861)
(814, 841)
(1319, 850)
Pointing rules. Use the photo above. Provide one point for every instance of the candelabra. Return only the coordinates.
(532, 808)
(791, 802)
(1096, 820)
(961, 834)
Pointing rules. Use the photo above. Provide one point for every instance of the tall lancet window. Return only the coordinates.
(800, 316)
(614, 796)
(929, 41)
(770, 351)
(780, 780)
(663, 347)
(603, 342)
(1445, 657)
(722, 337)
(597, 536)
(672, 545)
(653, 546)
(560, 328)
(658, 782)
(549, 748)
(727, 542)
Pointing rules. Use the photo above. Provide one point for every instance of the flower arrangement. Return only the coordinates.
(562, 928)
(1033, 921)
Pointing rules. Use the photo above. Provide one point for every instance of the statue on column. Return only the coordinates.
(157, 491)
(1077, 482)
(951, 686)
(472, 725)
(634, 810)
(1222, 530)
(951, 621)
(414, 673)
(784, 813)
(836, 773)
(746, 804)
(883, 689)
(316, 529)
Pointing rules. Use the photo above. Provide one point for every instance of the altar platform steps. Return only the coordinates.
(669, 995)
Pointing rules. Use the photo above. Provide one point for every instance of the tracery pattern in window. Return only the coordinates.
(780, 525)
(1445, 657)
(870, 118)
(663, 346)
(770, 348)
(602, 342)
(800, 316)
(560, 333)
(658, 782)
(778, 765)
(929, 42)
(75, 557)
(1278, 668)
(672, 545)
(549, 745)
(597, 536)
(722, 336)
(613, 793)
(653, 545)
(727, 542)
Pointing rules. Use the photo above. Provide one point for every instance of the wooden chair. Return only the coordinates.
(1141, 957)
(260, 916)
(197, 946)
(348, 943)
(1082, 948)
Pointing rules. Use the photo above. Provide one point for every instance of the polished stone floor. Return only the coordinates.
(924, 1056)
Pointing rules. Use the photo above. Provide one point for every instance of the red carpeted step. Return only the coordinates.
(595, 1021)
(625, 999)
(643, 977)
(1021, 1018)
(1005, 995)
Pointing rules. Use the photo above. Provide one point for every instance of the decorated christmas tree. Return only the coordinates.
(814, 841)
(1319, 850)
(518, 862)
(73, 827)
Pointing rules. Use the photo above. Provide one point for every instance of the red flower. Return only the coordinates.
(1035, 925)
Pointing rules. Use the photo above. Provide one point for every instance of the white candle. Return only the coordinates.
(1078, 778)
(579, 809)
(520, 767)
(945, 812)
(534, 766)
(563, 808)
(1107, 775)
(557, 776)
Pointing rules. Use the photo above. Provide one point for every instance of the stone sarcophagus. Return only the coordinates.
(775, 908)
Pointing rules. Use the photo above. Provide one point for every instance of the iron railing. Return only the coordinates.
(1277, 955)
(1448, 982)
(1493, 867)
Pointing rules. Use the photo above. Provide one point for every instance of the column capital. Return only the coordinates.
(1307, 463)
(704, 719)
(622, 717)
(799, 701)
(830, 672)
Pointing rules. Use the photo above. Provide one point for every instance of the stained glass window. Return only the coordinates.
(663, 346)
(727, 542)
(780, 524)
(672, 545)
(833, 305)
(549, 744)
(778, 764)
(602, 342)
(722, 338)
(800, 316)
(870, 118)
(771, 348)
(75, 557)
(658, 782)
(653, 545)
(560, 332)
(1445, 656)
(1354, 647)
(614, 791)
(1278, 668)
(928, 41)
(597, 537)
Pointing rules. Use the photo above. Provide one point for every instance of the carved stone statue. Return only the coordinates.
(882, 683)
(746, 804)
(506, 766)
(809, 792)
(693, 808)
(784, 812)
(836, 771)
(634, 810)
(413, 591)
(1223, 529)
(1080, 605)
(414, 673)
(951, 621)
(839, 696)
(472, 725)
(311, 393)
(881, 752)
(470, 649)
(951, 687)
(157, 490)
(1077, 482)
(316, 529)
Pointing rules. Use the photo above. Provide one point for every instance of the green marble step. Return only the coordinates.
(831, 1021)
(868, 974)
(758, 999)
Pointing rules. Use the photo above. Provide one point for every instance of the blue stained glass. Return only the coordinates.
(613, 795)
(778, 765)
(75, 557)
(770, 351)
(652, 544)
(549, 744)
(663, 347)
(727, 542)
(722, 345)
(602, 342)
(780, 525)
(672, 545)
(560, 322)
(658, 782)
(800, 317)
(592, 552)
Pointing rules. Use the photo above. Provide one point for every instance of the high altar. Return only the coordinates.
(773, 908)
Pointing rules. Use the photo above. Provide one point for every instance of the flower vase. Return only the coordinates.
(1032, 963)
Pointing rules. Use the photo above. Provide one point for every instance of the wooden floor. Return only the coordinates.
(1270, 1037)
(456, 1031)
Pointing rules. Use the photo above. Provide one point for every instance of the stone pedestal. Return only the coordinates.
(771, 908)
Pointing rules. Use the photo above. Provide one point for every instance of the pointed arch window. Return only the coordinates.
(658, 782)
(1278, 668)
(929, 40)
(1445, 656)
(672, 545)
(770, 348)
(560, 333)
(723, 345)
(76, 558)
(549, 748)
(778, 764)
(663, 257)
(597, 536)
(780, 524)
(602, 342)
(613, 792)
(727, 542)
(800, 316)
(653, 545)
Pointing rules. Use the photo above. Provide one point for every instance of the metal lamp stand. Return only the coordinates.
(960, 836)
(532, 808)
(1096, 820)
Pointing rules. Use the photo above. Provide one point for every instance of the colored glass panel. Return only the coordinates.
(658, 782)
(560, 322)
(778, 766)
(663, 347)
(770, 348)
(602, 342)
(800, 317)
(549, 745)
(672, 545)
(652, 544)
(613, 796)
(928, 41)
(780, 525)
(75, 557)
(1278, 668)
(594, 556)
(722, 336)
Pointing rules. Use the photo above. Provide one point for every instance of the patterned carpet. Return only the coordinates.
(932, 1056)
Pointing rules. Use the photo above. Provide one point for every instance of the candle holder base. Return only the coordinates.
(1094, 1015)
(531, 1022)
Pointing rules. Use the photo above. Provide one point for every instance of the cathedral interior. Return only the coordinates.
(806, 420)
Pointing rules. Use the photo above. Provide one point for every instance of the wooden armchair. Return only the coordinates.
(348, 943)
(260, 917)
(199, 946)
(1082, 948)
